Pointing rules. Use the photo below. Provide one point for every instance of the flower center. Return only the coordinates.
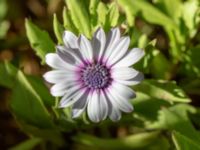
(96, 76)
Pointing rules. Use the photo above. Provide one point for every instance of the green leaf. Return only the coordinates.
(53, 135)
(173, 11)
(191, 65)
(190, 12)
(3, 9)
(27, 104)
(58, 29)
(113, 14)
(102, 11)
(149, 12)
(40, 40)
(27, 145)
(129, 15)
(176, 118)
(7, 74)
(4, 26)
(80, 16)
(141, 106)
(135, 141)
(93, 6)
(68, 24)
(184, 143)
(165, 90)
(42, 90)
(161, 71)
(93, 13)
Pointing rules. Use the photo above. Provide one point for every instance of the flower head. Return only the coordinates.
(94, 75)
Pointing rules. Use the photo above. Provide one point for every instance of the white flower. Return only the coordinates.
(94, 75)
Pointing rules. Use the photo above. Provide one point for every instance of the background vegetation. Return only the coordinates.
(167, 113)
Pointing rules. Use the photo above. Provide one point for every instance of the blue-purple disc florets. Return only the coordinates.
(96, 76)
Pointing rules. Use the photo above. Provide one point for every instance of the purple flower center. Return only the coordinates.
(96, 76)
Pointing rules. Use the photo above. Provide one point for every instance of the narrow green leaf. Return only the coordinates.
(79, 16)
(93, 13)
(93, 6)
(149, 12)
(184, 143)
(40, 40)
(102, 11)
(27, 105)
(27, 145)
(58, 29)
(165, 90)
(130, 17)
(68, 24)
(113, 14)
(7, 74)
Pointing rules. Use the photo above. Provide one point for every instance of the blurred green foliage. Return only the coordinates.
(162, 118)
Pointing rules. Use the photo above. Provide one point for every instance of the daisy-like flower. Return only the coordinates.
(94, 75)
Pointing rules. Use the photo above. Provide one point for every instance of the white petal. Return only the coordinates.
(114, 112)
(79, 106)
(68, 55)
(121, 102)
(103, 106)
(56, 62)
(119, 50)
(72, 95)
(57, 76)
(97, 107)
(98, 43)
(112, 38)
(60, 89)
(85, 47)
(123, 90)
(124, 73)
(131, 58)
(70, 40)
(136, 80)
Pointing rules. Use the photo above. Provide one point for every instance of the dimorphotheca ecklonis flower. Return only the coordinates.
(94, 75)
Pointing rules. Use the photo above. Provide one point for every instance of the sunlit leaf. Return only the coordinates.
(173, 11)
(165, 90)
(102, 11)
(189, 13)
(113, 14)
(40, 40)
(68, 24)
(58, 29)
(149, 12)
(80, 16)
